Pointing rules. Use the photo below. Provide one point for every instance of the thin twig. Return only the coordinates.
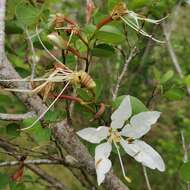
(172, 53)
(17, 117)
(122, 74)
(36, 162)
(45, 176)
(33, 54)
(185, 150)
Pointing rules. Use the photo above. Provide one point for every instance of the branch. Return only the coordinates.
(61, 130)
(2, 27)
(35, 162)
(50, 179)
(53, 181)
(122, 74)
(167, 32)
(16, 117)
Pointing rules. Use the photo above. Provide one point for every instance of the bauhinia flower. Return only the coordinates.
(125, 132)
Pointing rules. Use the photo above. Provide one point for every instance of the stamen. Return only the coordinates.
(45, 48)
(70, 37)
(46, 109)
(137, 29)
(121, 163)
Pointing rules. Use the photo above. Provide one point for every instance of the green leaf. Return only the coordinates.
(84, 94)
(38, 45)
(26, 14)
(185, 171)
(175, 94)
(103, 50)
(52, 116)
(12, 129)
(137, 105)
(110, 34)
(112, 4)
(4, 180)
(187, 80)
(16, 186)
(39, 134)
(167, 76)
(12, 28)
(89, 29)
(139, 4)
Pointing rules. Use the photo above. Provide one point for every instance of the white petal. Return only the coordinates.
(102, 163)
(129, 148)
(94, 135)
(123, 113)
(140, 124)
(144, 154)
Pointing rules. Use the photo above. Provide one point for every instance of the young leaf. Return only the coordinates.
(174, 94)
(26, 14)
(167, 76)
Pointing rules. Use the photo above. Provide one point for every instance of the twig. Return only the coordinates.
(50, 179)
(33, 54)
(122, 74)
(173, 54)
(2, 28)
(146, 178)
(17, 117)
(36, 162)
(185, 148)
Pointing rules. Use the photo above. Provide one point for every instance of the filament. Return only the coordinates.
(121, 163)
(136, 28)
(46, 109)
(70, 37)
(45, 48)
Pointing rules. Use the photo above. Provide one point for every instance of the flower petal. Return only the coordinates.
(144, 154)
(94, 135)
(102, 163)
(140, 124)
(123, 113)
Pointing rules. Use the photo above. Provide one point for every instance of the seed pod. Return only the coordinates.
(56, 20)
(119, 10)
(82, 78)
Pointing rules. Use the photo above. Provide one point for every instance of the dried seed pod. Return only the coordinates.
(56, 20)
(119, 10)
(82, 78)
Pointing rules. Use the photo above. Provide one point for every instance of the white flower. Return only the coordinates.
(127, 137)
